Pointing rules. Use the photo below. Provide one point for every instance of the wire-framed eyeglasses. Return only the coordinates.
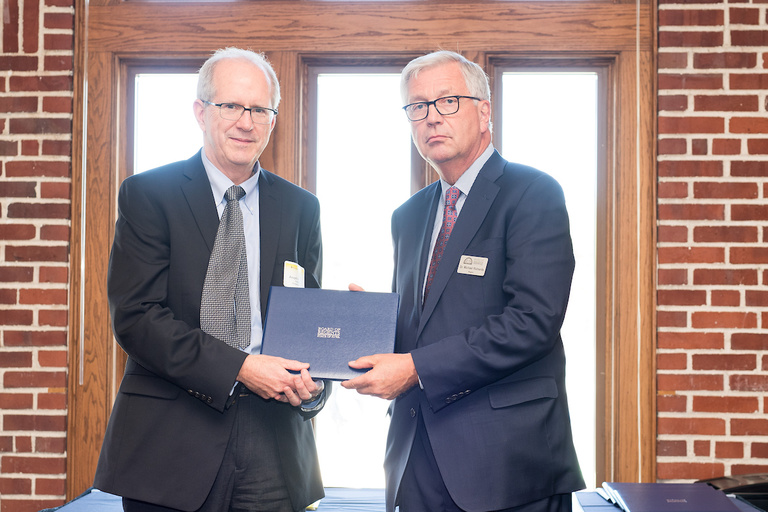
(445, 106)
(233, 112)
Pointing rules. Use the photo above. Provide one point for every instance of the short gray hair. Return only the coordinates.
(205, 88)
(474, 76)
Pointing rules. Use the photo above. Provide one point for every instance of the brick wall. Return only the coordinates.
(713, 226)
(35, 151)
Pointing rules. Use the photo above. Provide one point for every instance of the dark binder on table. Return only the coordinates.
(329, 328)
(672, 497)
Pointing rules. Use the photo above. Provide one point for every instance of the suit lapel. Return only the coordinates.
(198, 193)
(473, 213)
(269, 227)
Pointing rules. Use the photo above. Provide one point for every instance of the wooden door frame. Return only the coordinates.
(112, 34)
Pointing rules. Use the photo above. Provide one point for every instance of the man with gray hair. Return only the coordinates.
(202, 421)
(483, 266)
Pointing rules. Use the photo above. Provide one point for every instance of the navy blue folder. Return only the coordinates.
(329, 328)
(668, 497)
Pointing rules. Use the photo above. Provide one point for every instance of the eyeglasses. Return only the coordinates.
(445, 106)
(233, 112)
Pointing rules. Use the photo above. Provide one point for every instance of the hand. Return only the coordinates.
(390, 375)
(355, 287)
(269, 377)
(305, 389)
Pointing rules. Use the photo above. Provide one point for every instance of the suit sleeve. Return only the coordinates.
(150, 331)
(521, 314)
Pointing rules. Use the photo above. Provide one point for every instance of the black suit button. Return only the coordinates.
(413, 413)
(209, 400)
(190, 392)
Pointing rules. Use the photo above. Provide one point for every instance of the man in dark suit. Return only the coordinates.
(199, 424)
(480, 419)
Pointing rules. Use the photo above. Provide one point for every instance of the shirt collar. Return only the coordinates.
(220, 183)
(466, 180)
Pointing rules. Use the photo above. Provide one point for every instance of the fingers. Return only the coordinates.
(355, 288)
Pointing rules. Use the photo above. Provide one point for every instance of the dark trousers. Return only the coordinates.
(250, 477)
(422, 486)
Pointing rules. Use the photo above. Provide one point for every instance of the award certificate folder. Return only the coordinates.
(329, 328)
(660, 497)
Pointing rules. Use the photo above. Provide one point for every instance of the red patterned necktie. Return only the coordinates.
(449, 219)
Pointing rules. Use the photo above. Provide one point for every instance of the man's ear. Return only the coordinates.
(198, 107)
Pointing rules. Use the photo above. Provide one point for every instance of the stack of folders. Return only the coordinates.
(659, 497)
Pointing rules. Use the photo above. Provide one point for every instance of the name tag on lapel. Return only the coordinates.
(293, 275)
(472, 265)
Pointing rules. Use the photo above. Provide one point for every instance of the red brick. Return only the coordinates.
(733, 404)
(741, 81)
(16, 401)
(723, 320)
(36, 253)
(55, 318)
(34, 379)
(681, 125)
(727, 298)
(676, 168)
(724, 103)
(51, 444)
(691, 39)
(16, 317)
(58, 232)
(671, 361)
(726, 146)
(749, 341)
(34, 296)
(16, 274)
(17, 231)
(57, 63)
(690, 17)
(57, 148)
(54, 275)
(18, 189)
(748, 125)
(749, 383)
(35, 422)
(672, 146)
(672, 319)
(19, 169)
(58, 42)
(16, 359)
(30, 505)
(749, 169)
(749, 37)
(687, 211)
(741, 16)
(23, 444)
(760, 450)
(725, 234)
(682, 297)
(674, 103)
(699, 147)
(10, 485)
(689, 470)
(691, 426)
(35, 338)
(702, 448)
(52, 401)
(728, 190)
(672, 276)
(686, 81)
(746, 255)
(729, 450)
(724, 60)
(673, 190)
(52, 358)
(690, 340)
(694, 382)
(60, 20)
(671, 403)
(748, 469)
(670, 448)
(670, 234)
(50, 486)
(757, 146)
(669, 255)
(34, 465)
(748, 427)
(671, 60)
(725, 276)
(724, 362)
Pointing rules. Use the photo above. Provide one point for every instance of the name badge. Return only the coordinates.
(472, 265)
(293, 275)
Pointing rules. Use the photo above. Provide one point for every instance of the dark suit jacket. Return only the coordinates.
(487, 348)
(170, 424)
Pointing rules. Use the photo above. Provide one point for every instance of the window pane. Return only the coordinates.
(363, 174)
(165, 128)
(550, 122)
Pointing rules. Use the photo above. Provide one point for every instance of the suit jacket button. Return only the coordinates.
(209, 399)
(413, 413)
(190, 392)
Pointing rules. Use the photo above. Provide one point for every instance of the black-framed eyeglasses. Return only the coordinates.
(233, 112)
(445, 106)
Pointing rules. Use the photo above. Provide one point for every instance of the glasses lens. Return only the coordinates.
(231, 111)
(417, 111)
(447, 106)
(261, 115)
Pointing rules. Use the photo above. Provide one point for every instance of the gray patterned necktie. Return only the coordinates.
(225, 310)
